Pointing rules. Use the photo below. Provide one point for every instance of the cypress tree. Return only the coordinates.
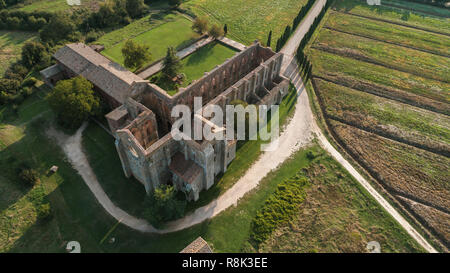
(269, 39)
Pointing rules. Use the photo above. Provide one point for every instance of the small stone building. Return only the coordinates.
(197, 246)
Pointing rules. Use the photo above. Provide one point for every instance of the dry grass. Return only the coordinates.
(401, 168)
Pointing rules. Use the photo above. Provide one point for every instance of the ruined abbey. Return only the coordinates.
(141, 117)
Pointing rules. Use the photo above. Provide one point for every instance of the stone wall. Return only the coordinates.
(252, 75)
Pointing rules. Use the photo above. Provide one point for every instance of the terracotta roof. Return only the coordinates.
(197, 246)
(109, 76)
(187, 170)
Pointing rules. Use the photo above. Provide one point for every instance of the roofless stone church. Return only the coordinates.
(140, 120)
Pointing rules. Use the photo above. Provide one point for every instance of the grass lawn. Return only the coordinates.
(195, 65)
(204, 60)
(248, 20)
(22, 139)
(126, 193)
(158, 31)
(11, 43)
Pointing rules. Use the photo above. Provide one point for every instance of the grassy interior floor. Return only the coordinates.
(165, 30)
(195, 65)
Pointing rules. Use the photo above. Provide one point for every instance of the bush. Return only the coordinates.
(9, 85)
(200, 25)
(26, 92)
(44, 211)
(92, 36)
(311, 155)
(29, 176)
(278, 208)
(163, 205)
(216, 31)
(31, 81)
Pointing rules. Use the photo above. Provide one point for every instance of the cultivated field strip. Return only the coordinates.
(417, 8)
(360, 9)
(436, 220)
(383, 85)
(415, 90)
(391, 56)
(390, 33)
(414, 173)
(410, 125)
(419, 179)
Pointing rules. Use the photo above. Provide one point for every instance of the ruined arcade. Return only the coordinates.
(141, 117)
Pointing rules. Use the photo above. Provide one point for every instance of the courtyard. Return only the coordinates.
(166, 30)
(195, 65)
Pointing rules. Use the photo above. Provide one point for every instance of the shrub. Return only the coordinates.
(26, 92)
(31, 81)
(163, 205)
(92, 36)
(9, 85)
(29, 176)
(311, 155)
(278, 208)
(216, 31)
(200, 25)
(44, 211)
(32, 54)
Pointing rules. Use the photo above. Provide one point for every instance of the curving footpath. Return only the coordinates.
(299, 132)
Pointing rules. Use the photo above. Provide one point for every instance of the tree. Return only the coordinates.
(171, 64)
(74, 101)
(29, 176)
(59, 28)
(269, 39)
(200, 25)
(162, 205)
(134, 54)
(215, 31)
(33, 53)
(174, 3)
(135, 8)
(225, 29)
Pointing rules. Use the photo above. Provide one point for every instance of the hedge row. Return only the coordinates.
(278, 208)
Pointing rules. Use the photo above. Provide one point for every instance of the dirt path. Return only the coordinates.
(72, 147)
